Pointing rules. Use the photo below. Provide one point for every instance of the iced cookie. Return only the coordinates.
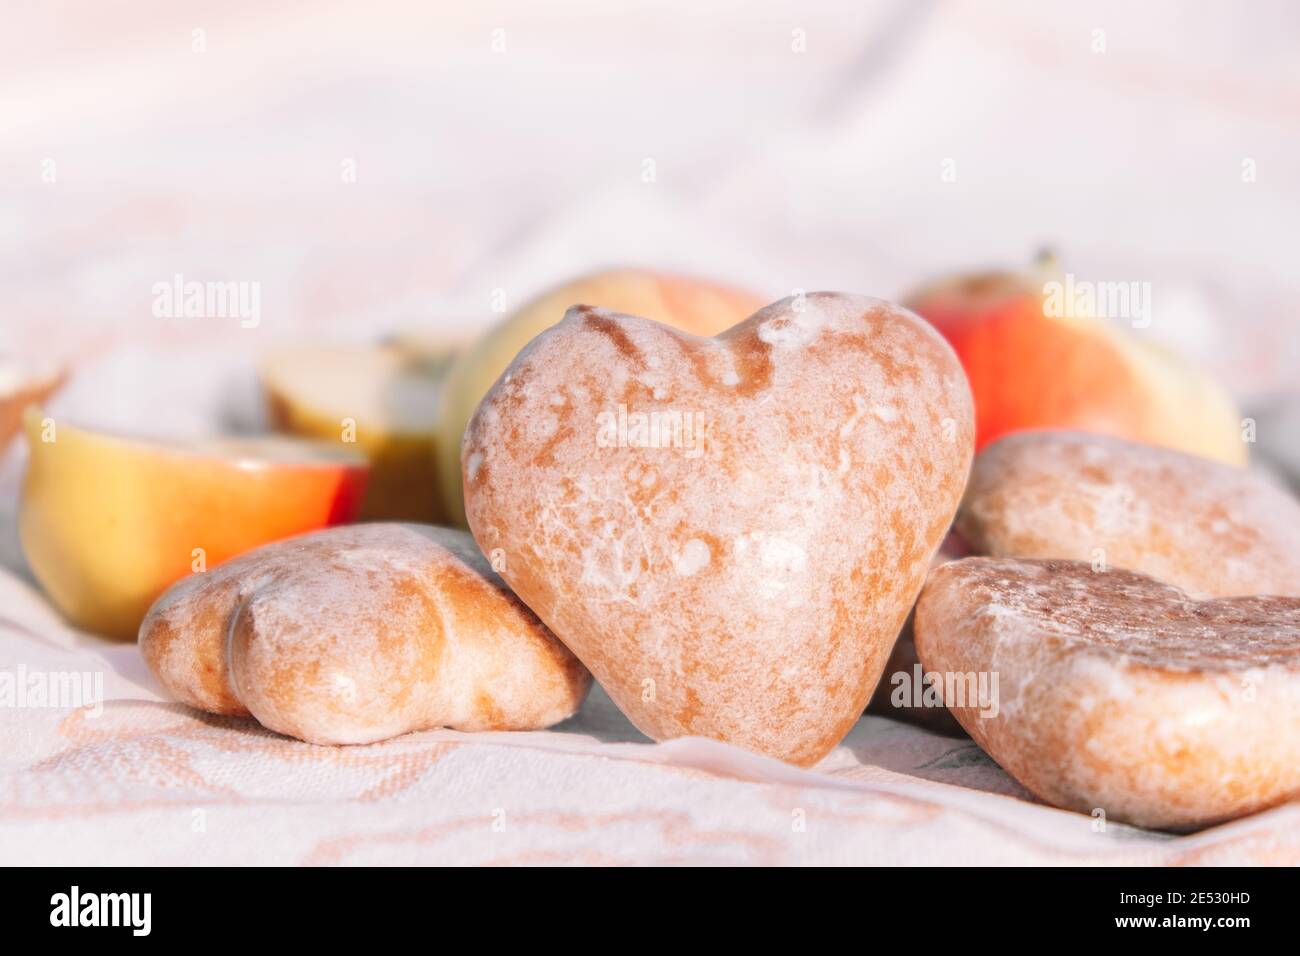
(1116, 694)
(357, 634)
(1210, 529)
(728, 531)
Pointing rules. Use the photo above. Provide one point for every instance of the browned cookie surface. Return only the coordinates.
(728, 531)
(1209, 528)
(359, 633)
(1118, 694)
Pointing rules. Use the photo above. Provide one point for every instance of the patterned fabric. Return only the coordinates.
(147, 781)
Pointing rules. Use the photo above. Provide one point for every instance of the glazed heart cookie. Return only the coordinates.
(729, 531)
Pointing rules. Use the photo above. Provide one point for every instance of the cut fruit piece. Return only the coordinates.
(379, 400)
(22, 385)
(108, 522)
(430, 351)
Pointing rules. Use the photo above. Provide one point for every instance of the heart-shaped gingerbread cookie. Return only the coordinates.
(728, 532)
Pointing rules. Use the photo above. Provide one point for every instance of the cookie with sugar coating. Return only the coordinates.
(728, 531)
(1118, 693)
(1208, 528)
(360, 633)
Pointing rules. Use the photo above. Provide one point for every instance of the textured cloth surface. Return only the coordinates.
(142, 780)
(383, 165)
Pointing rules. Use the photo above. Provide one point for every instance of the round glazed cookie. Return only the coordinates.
(1116, 694)
(1210, 529)
(360, 633)
(728, 531)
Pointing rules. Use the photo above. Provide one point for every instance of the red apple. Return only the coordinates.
(1029, 369)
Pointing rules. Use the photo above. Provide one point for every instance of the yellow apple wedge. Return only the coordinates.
(108, 523)
(431, 351)
(381, 400)
(693, 305)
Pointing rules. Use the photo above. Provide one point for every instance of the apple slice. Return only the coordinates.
(20, 386)
(108, 522)
(379, 400)
(430, 350)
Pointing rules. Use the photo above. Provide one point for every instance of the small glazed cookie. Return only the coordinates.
(728, 531)
(360, 633)
(1208, 528)
(1116, 693)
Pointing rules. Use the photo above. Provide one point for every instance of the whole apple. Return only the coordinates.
(1032, 367)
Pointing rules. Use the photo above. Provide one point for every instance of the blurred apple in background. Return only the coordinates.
(1035, 367)
(379, 400)
(692, 305)
(108, 522)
